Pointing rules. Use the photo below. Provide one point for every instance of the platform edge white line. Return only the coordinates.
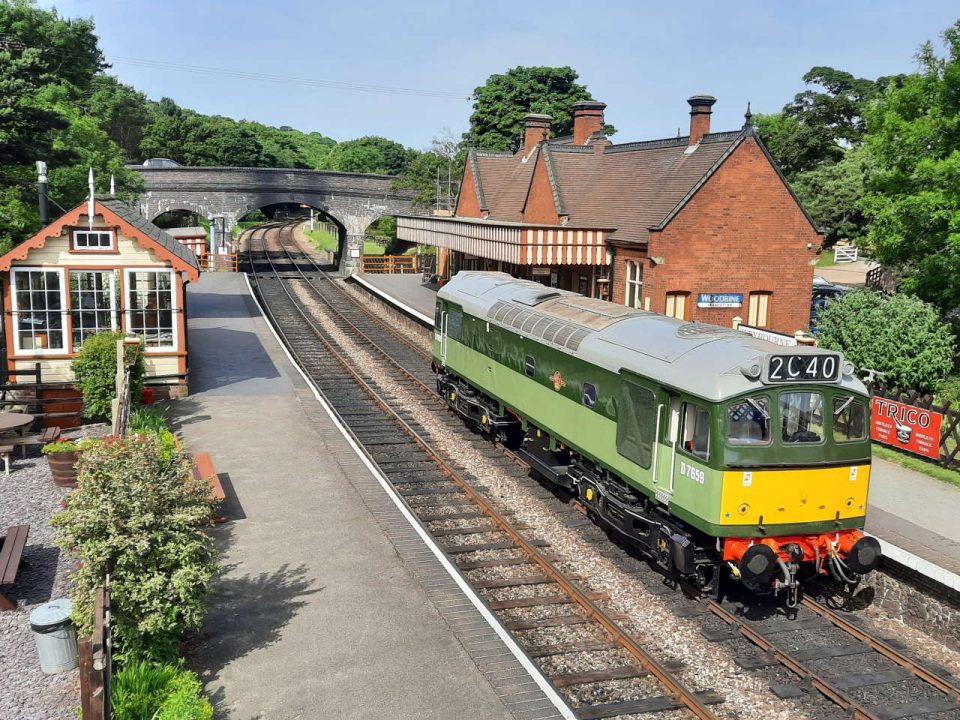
(565, 710)
(392, 300)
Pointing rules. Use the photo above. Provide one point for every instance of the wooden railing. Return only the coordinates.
(95, 654)
(383, 264)
(214, 262)
(882, 280)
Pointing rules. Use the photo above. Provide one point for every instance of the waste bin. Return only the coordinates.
(55, 635)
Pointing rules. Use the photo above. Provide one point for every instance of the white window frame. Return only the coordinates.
(128, 316)
(15, 313)
(98, 248)
(634, 285)
(759, 300)
(113, 300)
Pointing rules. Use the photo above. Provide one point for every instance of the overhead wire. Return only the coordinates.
(10, 41)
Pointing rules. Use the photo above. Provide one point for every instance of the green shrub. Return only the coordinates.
(95, 368)
(61, 446)
(949, 391)
(148, 418)
(138, 513)
(151, 691)
(900, 336)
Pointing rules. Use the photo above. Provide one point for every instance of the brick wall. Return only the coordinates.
(541, 207)
(467, 203)
(619, 271)
(742, 232)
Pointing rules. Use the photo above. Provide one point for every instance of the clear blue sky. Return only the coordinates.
(642, 58)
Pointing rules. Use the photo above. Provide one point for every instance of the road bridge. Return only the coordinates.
(352, 200)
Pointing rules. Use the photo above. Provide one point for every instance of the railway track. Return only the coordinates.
(863, 675)
(474, 534)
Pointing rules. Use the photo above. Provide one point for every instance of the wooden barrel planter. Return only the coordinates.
(63, 467)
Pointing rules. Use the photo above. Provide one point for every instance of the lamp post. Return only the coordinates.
(42, 184)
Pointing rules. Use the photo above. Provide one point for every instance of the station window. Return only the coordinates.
(676, 305)
(93, 240)
(529, 366)
(748, 421)
(849, 419)
(801, 417)
(758, 309)
(92, 304)
(632, 297)
(696, 430)
(589, 394)
(151, 308)
(636, 423)
(38, 311)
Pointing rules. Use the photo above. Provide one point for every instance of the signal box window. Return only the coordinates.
(677, 305)
(849, 419)
(748, 421)
(759, 307)
(696, 430)
(801, 417)
(92, 240)
(636, 423)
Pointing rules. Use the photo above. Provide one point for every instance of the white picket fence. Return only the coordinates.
(847, 253)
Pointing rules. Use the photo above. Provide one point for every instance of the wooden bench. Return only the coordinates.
(5, 452)
(42, 438)
(11, 552)
(203, 469)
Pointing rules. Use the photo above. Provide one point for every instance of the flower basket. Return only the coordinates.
(63, 467)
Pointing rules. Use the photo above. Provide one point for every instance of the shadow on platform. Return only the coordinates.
(220, 358)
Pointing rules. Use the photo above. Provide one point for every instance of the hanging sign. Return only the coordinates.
(906, 427)
(719, 300)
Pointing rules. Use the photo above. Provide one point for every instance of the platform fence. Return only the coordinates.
(95, 655)
(388, 264)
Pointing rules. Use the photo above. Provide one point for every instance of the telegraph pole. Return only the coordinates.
(42, 183)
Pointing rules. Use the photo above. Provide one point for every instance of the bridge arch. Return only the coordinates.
(353, 200)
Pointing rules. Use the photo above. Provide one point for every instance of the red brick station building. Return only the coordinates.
(702, 227)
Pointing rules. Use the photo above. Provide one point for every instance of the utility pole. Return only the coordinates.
(44, 207)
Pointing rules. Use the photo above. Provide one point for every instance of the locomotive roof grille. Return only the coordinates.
(534, 324)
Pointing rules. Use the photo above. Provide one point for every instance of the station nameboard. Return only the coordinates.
(906, 427)
(719, 300)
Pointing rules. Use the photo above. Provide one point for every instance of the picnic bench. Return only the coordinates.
(203, 469)
(47, 435)
(11, 552)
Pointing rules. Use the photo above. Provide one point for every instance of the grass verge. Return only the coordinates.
(323, 240)
(917, 464)
(826, 259)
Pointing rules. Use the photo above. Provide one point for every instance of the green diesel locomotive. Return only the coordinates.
(718, 453)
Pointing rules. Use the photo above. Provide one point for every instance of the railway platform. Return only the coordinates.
(330, 603)
(913, 515)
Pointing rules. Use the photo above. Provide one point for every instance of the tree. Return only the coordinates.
(796, 146)
(840, 108)
(123, 113)
(370, 154)
(500, 104)
(913, 203)
(444, 159)
(900, 336)
(832, 193)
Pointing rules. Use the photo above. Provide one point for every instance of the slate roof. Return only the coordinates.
(631, 187)
(130, 215)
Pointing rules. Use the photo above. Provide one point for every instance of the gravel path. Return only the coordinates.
(28, 497)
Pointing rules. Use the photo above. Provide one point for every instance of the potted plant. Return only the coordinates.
(62, 457)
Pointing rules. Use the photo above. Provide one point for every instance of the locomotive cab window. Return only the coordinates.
(636, 423)
(529, 366)
(748, 421)
(849, 419)
(801, 417)
(455, 323)
(695, 432)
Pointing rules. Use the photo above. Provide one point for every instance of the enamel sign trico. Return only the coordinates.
(906, 427)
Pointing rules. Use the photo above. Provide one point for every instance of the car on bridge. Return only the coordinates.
(161, 163)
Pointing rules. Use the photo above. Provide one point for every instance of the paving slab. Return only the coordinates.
(407, 291)
(318, 613)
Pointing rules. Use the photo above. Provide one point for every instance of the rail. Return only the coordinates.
(683, 697)
(386, 264)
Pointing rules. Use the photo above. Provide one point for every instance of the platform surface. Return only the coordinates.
(916, 513)
(317, 614)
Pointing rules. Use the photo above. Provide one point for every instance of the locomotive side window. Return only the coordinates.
(589, 394)
(636, 423)
(748, 421)
(696, 430)
(801, 417)
(529, 366)
(849, 419)
(455, 323)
